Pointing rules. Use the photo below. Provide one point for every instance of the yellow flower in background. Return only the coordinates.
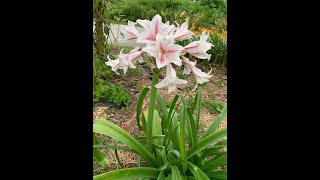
(183, 13)
(192, 26)
(187, 19)
(162, 12)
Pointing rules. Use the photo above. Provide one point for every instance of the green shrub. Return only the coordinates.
(218, 52)
(203, 13)
(104, 91)
(111, 93)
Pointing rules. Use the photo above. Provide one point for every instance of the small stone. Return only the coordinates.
(160, 76)
(111, 115)
(136, 92)
(130, 84)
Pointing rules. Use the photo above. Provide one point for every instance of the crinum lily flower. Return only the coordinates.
(199, 48)
(130, 32)
(158, 40)
(183, 33)
(125, 61)
(189, 66)
(152, 28)
(171, 81)
(165, 51)
(169, 29)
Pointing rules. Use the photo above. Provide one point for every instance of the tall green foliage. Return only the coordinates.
(177, 150)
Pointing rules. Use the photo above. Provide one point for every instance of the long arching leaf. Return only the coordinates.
(98, 155)
(130, 173)
(139, 106)
(216, 122)
(203, 143)
(107, 128)
(197, 172)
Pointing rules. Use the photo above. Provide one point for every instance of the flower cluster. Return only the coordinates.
(159, 39)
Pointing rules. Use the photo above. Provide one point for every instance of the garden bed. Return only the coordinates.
(134, 82)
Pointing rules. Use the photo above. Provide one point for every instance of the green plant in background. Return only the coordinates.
(218, 51)
(213, 106)
(218, 83)
(111, 93)
(104, 91)
(178, 150)
(203, 13)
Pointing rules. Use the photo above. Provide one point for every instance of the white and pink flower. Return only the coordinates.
(183, 32)
(125, 61)
(165, 51)
(171, 81)
(130, 32)
(152, 28)
(199, 48)
(189, 66)
(159, 40)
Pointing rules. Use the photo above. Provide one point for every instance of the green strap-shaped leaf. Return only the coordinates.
(216, 122)
(211, 150)
(190, 123)
(198, 108)
(118, 159)
(191, 178)
(156, 127)
(172, 109)
(175, 131)
(205, 142)
(139, 106)
(191, 127)
(107, 128)
(98, 155)
(182, 138)
(197, 172)
(215, 162)
(130, 173)
(175, 173)
(174, 151)
(218, 175)
(161, 176)
(114, 147)
(164, 110)
(151, 109)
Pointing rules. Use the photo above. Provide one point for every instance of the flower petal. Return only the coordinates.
(151, 50)
(156, 24)
(183, 33)
(162, 84)
(161, 60)
(145, 37)
(145, 24)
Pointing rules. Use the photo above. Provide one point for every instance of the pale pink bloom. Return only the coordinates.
(114, 64)
(164, 51)
(189, 66)
(135, 54)
(125, 61)
(199, 48)
(171, 81)
(168, 29)
(130, 32)
(183, 32)
(152, 28)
